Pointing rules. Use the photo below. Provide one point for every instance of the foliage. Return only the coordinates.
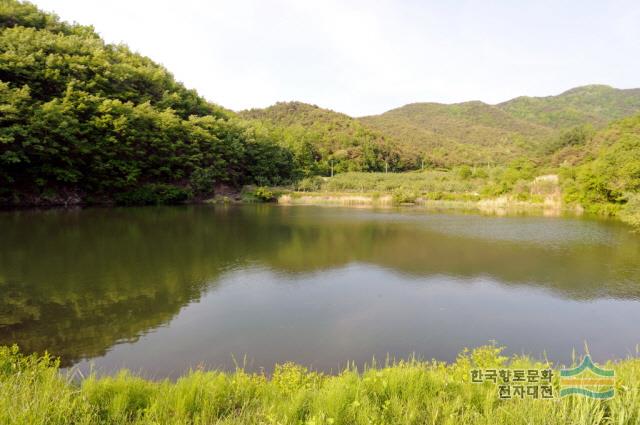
(575, 136)
(153, 194)
(553, 130)
(476, 133)
(465, 133)
(506, 179)
(264, 194)
(427, 181)
(98, 119)
(408, 391)
(401, 196)
(631, 210)
(258, 194)
(464, 172)
(489, 182)
(611, 178)
(310, 184)
(571, 146)
(321, 139)
(594, 104)
(202, 180)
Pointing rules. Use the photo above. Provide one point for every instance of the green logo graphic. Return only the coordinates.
(587, 380)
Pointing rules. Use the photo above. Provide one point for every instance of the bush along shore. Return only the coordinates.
(497, 190)
(34, 391)
(473, 190)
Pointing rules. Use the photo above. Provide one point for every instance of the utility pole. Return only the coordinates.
(331, 161)
(386, 166)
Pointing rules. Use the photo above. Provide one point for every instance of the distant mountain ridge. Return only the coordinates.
(476, 132)
(471, 132)
(595, 104)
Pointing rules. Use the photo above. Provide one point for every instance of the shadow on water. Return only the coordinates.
(77, 283)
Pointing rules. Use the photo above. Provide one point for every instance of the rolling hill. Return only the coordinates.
(596, 105)
(328, 137)
(470, 132)
(476, 132)
(445, 135)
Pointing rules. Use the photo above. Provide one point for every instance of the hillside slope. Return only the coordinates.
(596, 105)
(608, 179)
(445, 135)
(470, 132)
(84, 120)
(476, 133)
(330, 137)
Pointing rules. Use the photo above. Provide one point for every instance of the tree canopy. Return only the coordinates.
(93, 119)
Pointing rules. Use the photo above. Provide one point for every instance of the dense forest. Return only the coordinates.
(87, 121)
(606, 179)
(322, 139)
(83, 121)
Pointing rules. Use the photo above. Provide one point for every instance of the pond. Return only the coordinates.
(160, 290)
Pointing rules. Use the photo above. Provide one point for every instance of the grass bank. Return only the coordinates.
(500, 206)
(33, 391)
(466, 189)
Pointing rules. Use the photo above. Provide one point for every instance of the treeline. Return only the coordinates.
(322, 140)
(606, 180)
(82, 120)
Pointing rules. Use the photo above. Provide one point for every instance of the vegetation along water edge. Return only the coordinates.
(34, 391)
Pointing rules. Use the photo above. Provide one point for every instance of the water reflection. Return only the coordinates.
(348, 284)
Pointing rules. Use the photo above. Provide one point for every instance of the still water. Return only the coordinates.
(162, 290)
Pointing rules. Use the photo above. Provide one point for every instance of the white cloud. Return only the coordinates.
(363, 57)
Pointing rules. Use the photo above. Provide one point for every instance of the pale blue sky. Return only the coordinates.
(364, 57)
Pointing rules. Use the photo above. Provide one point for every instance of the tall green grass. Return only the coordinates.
(33, 391)
(427, 181)
(483, 181)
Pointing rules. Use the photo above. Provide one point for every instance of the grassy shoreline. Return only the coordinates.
(33, 391)
(496, 191)
(498, 206)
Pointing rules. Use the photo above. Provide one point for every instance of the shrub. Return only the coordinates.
(154, 194)
(265, 194)
(202, 180)
(310, 184)
(401, 196)
(631, 211)
(522, 190)
(464, 172)
(258, 194)
(480, 173)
